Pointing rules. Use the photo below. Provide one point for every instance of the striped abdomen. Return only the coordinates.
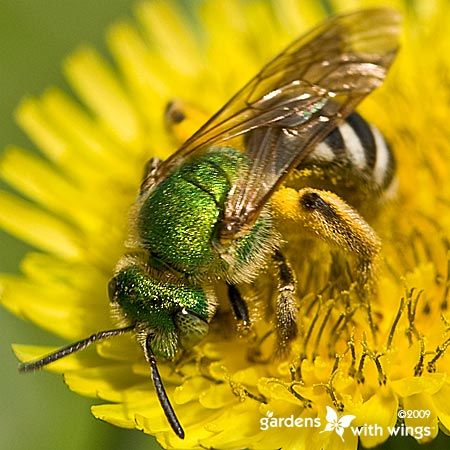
(354, 160)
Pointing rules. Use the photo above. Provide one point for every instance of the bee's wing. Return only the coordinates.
(305, 90)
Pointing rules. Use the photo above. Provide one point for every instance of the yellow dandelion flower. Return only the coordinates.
(351, 375)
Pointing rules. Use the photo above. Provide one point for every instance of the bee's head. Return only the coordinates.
(173, 316)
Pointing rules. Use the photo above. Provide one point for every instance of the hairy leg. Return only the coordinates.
(286, 306)
(330, 219)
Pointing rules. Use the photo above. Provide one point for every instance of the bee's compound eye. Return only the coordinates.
(191, 328)
(112, 289)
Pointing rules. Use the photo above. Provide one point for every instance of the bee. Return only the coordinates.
(207, 212)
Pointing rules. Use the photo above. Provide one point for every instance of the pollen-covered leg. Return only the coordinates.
(286, 306)
(329, 218)
(334, 221)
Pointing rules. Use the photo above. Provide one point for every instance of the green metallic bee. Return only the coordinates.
(206, 213)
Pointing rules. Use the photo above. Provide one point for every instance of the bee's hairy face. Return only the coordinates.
(175, 315)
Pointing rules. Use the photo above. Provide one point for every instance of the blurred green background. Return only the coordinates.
(38, 411)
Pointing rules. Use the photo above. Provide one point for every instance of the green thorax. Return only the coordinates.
(177, 222)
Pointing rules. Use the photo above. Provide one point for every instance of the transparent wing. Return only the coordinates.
(294, 102)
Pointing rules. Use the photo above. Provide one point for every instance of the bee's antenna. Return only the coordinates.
(72, 348)
(160, 390)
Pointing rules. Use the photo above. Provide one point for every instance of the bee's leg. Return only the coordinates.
(240, 312)
(148, 177)
(329, 218)
(286, 306)
(238, 305)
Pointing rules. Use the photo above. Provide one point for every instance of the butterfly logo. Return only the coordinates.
(338, 424)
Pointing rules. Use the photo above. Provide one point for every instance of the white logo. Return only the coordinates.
(270, 421)
(338, 424)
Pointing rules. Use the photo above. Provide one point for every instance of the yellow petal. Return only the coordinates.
(89, 140)
(143, 71)
(33, 121)
(110, 382)
(218, 396)
(425, 425)
(97, 85)
(39, 229)
(171, 35)
(39, 182)
(380, 409)
(442, 404)
(122, 348)
(115, 414)
(47, 269)
(55, 307)
(429, 384)
(191, 389)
